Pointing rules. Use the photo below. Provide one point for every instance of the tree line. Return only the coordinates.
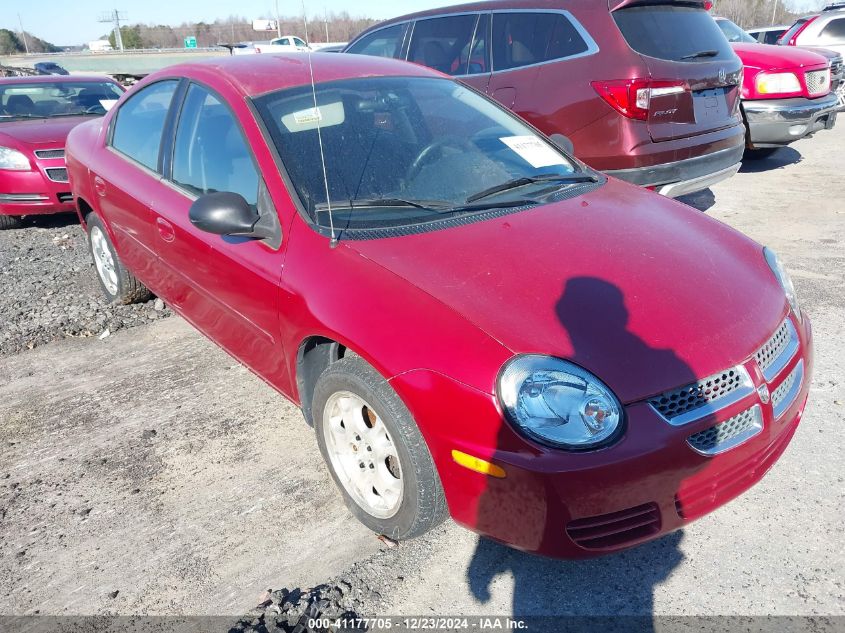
(12, 43)
(334, 27)
(758, 13)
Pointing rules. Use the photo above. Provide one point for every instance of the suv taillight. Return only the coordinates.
(632, 97)
(793, 41)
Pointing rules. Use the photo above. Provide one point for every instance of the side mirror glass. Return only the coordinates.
(225, 213)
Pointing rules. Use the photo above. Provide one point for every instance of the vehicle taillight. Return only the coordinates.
(793, 41)
(632, 97)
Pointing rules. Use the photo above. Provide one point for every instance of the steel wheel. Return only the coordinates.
(362, 454)
(103, 260)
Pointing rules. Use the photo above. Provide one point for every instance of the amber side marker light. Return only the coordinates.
(478, 465)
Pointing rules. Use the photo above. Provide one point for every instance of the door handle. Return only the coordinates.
(100, 186)
(165, 230)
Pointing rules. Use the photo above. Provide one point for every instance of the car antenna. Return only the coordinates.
(317, 116)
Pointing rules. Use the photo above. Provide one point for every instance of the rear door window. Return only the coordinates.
(523, 39)
(139, 123)
(673, 33)
(443, 43)
(834, 31)
(386, 42)
(793, 30)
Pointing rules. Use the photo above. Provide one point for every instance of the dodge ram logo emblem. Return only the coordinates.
(723, 75)
(763, 392)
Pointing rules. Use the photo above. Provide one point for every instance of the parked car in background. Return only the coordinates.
(786, 92)
(646, 92)
(768, 34)
(355, 242)
(49, 68)
(36, 114)
(284, 44)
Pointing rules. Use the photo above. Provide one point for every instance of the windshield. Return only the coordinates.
(784, 39)
(44, 100)
(733, 32)
(403, 150)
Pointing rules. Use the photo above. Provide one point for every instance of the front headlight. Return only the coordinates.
(784, 279)
(777, 83)
(13, 159)
(558, 403)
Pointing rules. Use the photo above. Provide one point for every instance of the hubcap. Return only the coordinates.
(103, 260)
(362, 454)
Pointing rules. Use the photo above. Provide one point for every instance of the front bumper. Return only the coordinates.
(33, 192)
(686, 176)
(778, 122)
(581, 505)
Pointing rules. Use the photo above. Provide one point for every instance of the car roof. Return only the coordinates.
(254, 75)
(52, 79)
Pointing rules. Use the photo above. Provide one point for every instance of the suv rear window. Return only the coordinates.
(834, 31)
(674, 33)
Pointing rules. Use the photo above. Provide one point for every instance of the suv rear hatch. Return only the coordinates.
(694, 83)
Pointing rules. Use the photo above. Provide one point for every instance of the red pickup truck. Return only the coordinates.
(786, 92)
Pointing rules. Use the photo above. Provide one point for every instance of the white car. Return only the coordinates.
(284, 44)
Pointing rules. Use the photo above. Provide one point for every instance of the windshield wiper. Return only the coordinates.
(516, 183)
(23, 116)
(371, 203)
(699, 54)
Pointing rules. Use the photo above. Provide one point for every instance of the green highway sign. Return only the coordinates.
(190, 42)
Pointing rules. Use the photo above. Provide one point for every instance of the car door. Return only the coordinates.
(226, 286)
(127, 174)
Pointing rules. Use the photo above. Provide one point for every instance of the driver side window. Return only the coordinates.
(139, 123)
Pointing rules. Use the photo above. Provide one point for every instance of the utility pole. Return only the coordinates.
(278, 21)
(114, 18)
(775, 12)
(326, 11)
(23, 35)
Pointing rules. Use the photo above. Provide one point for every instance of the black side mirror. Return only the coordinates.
(225, 213)
(563, 143)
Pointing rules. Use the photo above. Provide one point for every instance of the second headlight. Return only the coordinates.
(559, 404)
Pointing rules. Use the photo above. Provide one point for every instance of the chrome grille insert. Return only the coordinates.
(788, 390)
(59, 174)
(50, 153)
(728, 434)
(705, 397)
(777, 351)
(818, 82)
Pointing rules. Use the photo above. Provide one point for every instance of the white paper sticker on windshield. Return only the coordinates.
(107, 103)
(326, 115)
(534, 151)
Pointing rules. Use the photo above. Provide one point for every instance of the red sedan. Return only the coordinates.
(36, 114)
(471, 319)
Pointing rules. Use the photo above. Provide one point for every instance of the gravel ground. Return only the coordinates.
(50, 288)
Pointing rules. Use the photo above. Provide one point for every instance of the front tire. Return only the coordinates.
(375, 452)
(117, 283)
(10, 222)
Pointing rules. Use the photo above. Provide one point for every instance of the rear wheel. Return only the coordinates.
(375, 452)
(10, 222)
(118, 284)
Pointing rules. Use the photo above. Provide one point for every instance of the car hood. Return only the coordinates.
(41, 131)
(768, 57)
(644, 292)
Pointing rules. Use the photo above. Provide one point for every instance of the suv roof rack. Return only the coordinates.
(834, 6)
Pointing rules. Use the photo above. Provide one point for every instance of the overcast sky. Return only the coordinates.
(75, 21)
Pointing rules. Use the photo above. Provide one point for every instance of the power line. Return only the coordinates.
(114, 17)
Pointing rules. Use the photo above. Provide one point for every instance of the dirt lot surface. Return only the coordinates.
(146, 472)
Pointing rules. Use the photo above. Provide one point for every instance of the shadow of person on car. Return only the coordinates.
(593, 314)
(760, 160)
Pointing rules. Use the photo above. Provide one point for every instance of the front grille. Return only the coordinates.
(698, 498)
(778, 350)
(50, 153)
(728, 434)
(59, 174)
(694, 401)
(818, 82)
(788, 390)
(836, 67)
(65, 196)
(617, 529)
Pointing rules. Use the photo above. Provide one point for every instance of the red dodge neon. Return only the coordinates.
(36, 114)
(473, 321)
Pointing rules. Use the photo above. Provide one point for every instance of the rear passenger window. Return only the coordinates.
(834, 31)
(522, 39)
(385, 42)
(443, 43)
(675, 33)
(210, 153)
(140, 122)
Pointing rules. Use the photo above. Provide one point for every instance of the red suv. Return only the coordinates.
(645, 91)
